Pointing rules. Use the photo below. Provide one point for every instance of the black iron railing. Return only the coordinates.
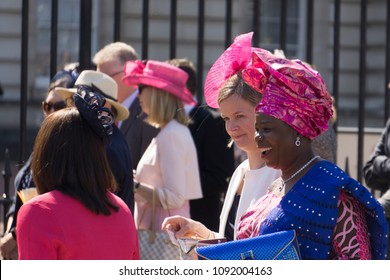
(6, 200)
(85, 48)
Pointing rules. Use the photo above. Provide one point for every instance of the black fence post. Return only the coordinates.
(24, 80)
(200, 49)
(387, 71)
(346, 168)
(5, 199)
(173, 31)
(117, 20)
(362, 86)
(53, 38)
(145, 29)
(85, 34)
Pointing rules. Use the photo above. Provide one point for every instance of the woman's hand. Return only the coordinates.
(9, 250)
(186, 228)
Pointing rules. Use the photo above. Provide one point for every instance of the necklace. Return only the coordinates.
(299, 171)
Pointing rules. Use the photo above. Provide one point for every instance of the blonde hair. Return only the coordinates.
(165, 107)
(116, 51)
(236, 85)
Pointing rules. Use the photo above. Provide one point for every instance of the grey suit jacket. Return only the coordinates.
(137, 132)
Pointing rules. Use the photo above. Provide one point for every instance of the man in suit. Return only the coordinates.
(215, 158)
(111, 60)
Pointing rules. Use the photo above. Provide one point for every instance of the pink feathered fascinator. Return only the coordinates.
(233, 59)
(292, 92)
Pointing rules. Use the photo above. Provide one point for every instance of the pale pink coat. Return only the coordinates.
(170, 165)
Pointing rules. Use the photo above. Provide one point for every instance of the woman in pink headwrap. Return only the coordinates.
(334, 216)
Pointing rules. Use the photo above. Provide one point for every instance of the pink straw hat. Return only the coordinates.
(160, 75)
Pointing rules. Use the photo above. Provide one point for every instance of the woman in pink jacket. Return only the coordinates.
(167, 175)
(76, 216)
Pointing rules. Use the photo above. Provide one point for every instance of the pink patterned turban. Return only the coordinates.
(292, 92)
(233, 59)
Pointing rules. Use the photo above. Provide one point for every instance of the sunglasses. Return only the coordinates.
(48, 106)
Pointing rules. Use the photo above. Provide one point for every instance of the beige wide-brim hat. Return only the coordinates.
(107, 86)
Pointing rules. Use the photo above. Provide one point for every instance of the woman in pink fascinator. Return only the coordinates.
(225, 89)
(333, 215)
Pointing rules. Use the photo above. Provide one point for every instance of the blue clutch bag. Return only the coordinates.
(282, 245)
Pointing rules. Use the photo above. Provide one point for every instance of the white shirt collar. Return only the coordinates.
(128, 101)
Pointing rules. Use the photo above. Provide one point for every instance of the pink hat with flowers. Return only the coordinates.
(160, 75)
